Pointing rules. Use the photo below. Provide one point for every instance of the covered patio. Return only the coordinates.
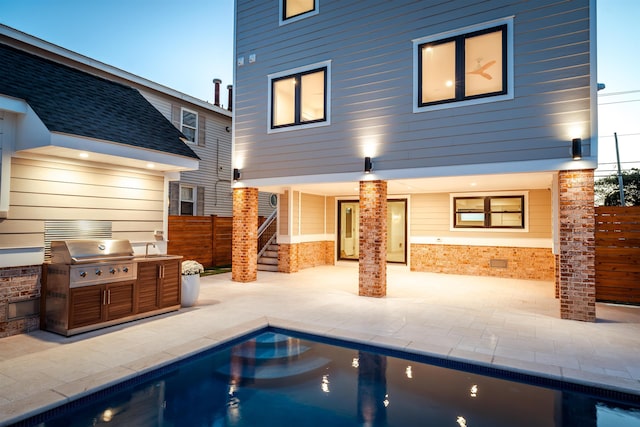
(505, 323)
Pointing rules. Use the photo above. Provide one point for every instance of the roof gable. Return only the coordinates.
(74, 102)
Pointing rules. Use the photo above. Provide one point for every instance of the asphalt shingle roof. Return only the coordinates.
(71, 101)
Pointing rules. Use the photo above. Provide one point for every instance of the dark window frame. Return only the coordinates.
(284, 16)
(487, 212)
(460, 79)
(297, 99)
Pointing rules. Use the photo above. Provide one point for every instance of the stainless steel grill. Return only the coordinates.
(91, 262)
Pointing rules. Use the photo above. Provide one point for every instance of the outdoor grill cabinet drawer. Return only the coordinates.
(101, 303)
(158, 284)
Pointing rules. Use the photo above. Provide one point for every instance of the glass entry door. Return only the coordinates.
(349, 230)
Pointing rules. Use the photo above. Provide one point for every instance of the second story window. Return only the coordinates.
(189, 125)
(187, 200)
(464, 67)
(300, 98)
(292, 10)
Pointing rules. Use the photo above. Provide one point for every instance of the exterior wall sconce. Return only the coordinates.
(576, 148)
(368, 165)
(236, 174)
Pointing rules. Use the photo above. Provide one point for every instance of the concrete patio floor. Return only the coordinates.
(512, 324)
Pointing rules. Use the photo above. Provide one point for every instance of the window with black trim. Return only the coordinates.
(299, 99)
(463, 67)
(489, 212)
(296, 8)
(189, 124)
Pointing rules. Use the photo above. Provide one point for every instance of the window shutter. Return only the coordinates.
(200, 203)
(201, 129)
(175, 116)
(174, 198)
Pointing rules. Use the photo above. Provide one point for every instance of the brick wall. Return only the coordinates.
(577, 246)
(18, 284)
(244, 254)
(521, 263)
(294, 257)
(373, 239)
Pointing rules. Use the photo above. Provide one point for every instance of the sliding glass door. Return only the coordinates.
(349, 230)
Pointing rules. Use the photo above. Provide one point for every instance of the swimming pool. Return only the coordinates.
(281, 378)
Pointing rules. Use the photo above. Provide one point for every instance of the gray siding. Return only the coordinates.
(372, 84)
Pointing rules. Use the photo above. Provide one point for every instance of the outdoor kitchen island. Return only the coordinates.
(93, 284)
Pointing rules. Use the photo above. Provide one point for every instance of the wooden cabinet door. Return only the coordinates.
(147, 284)
(120, 300)
(86, 306)
(170, 283)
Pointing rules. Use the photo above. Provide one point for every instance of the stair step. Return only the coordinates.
(271, 338)
(268, 261)
(267, 267)
(270, 254)
(270, 353)
(272, 247)
(273, 372)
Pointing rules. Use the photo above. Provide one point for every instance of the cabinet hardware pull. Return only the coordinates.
(104, 297)
(109, 299)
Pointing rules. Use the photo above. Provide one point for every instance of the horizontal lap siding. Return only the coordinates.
(372, 82)
(312, 214)
(42, 191)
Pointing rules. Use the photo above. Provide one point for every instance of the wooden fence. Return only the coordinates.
(618, 254)
(206, 239)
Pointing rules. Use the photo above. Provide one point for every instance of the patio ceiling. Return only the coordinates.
(451, 184)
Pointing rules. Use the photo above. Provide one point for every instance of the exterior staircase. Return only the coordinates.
(268, 261)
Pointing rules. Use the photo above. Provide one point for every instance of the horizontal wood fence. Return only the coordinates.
(618, 254)
(206, 239)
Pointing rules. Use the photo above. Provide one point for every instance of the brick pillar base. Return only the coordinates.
(244, 253)
(288, 258)
(373, 239)
(577, 246)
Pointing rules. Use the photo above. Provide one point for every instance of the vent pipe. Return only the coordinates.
(229, 104)
(216, 94)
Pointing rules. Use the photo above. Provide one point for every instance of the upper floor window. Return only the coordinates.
(293, 10)
(465, 67)
(489, 212)
(299, 97)
(187, 200)
(189, 124)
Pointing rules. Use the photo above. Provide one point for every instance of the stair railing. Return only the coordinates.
(267, 232)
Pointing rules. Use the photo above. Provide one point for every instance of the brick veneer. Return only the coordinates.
(244, 255)
(373, 239)
(522, 263)
(577, 246)
(18, 284)
(295, 257)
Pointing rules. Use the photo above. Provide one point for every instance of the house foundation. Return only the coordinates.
(577, 246)
(372, 280)
(244, 254)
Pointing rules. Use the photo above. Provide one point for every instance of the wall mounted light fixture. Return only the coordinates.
(576, 148)
(236, 174)
(368, 165)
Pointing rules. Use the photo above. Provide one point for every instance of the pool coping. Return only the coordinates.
(551, 376)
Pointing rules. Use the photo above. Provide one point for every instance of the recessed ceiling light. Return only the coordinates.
(473, 184)
(151, 165)
(83, 155)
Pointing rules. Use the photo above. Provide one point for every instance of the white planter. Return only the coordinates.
(190, 289)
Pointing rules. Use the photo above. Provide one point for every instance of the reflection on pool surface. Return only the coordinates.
(277, 379)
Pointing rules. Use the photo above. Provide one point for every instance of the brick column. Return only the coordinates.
(244, 253)
(577, 246)
(373, 239)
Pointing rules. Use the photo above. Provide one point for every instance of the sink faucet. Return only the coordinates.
(146, 248)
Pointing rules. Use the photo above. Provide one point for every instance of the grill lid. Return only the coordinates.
(86, 250)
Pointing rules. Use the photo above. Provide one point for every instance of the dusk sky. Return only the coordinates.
(185, 45)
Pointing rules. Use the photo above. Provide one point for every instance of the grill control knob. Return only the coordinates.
(112, 270)
(83, 274)
(98, 272)
(125, 269)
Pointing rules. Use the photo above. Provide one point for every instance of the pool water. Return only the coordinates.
(285, 379)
